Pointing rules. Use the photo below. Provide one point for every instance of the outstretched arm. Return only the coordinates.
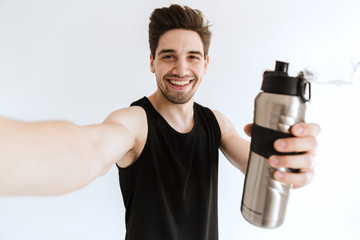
(57, 157)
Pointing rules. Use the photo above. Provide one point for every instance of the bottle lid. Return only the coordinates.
(279, 82)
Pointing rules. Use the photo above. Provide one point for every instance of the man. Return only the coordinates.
(165, 145)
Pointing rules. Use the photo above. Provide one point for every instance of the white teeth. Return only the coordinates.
(179, 83)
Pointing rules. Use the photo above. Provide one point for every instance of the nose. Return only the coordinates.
(180, 67)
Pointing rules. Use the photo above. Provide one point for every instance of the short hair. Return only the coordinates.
(178, 17)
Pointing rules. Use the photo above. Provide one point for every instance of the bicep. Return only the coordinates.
(133, 122)
(111, 140)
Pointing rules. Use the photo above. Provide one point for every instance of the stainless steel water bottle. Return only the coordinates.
(280, 105)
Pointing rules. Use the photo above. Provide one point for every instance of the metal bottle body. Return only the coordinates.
(264, 198)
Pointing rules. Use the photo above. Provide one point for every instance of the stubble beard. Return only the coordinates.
(178, 98)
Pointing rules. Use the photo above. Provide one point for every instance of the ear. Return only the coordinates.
(152, 68)
(206, 63)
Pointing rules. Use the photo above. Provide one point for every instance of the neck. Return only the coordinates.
(179, 116)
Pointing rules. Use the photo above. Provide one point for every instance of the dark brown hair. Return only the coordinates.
(178, 17)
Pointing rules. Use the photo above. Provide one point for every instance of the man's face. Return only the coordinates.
(179, 65)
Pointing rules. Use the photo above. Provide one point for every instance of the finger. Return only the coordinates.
(296, 144)
(302, 161)
(305, 129)
(296, 179)
(248, 129)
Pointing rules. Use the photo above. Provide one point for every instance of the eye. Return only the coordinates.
(168, 57)
(194, 57)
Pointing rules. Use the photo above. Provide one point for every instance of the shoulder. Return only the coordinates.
(224, 123)
(126, 115)
(134, 118)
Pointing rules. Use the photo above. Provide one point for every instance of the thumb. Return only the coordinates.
(248, 129)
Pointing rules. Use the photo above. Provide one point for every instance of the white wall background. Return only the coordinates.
(79, 60)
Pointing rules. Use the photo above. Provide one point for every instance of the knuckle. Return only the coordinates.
(313, 129)
(306, 178)
(309, 162)
(314, 142)
(318, 129)
(312, 162)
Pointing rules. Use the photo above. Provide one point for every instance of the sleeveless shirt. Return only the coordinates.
(171, 191)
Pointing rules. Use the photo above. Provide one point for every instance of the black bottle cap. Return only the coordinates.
(279, 82)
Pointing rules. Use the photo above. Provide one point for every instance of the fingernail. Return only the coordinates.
(279, 175)
(299, 130)
(280, 144)
(274, 161)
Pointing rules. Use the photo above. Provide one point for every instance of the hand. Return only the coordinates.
(305, 142)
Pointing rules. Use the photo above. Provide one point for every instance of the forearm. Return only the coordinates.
(236, 150)
(45, 158)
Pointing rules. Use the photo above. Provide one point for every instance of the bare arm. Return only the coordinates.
(235, 148)
(56, 157)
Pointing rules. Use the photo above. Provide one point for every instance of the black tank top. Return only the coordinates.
(170, 191)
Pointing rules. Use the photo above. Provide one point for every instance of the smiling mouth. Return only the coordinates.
(179, 83)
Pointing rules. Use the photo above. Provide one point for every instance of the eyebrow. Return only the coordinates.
(196, 52)
(163, 51)
(166, 51)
